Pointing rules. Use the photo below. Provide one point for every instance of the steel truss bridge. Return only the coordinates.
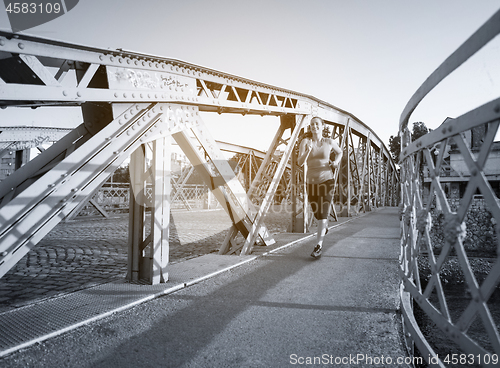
(133, 106)
(16, 143)
(115, 196)
(471, 329)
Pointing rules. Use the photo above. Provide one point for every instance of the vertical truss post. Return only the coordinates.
(297, 188)
(137, 213)
(373, 177)
(306, 218)
(368, 157)
(355, 171)
(375, 173)
(353, 191)
(250, 239)
(161, 209)
(343, 180)
(359, 189)
(378, 179)
(363, 173)
(294, 182)
(382, 180)
(386, 183)
(390, 185)
(395, 189)
(336, 172)
(149, 254)
(340, 178)
(349, 175)
(249, 169)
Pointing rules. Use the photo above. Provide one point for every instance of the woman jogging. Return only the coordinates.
(315, 151)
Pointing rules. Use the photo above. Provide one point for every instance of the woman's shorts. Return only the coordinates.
(320, 196)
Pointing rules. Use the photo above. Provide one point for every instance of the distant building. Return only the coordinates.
(17, 143)
(454, 174)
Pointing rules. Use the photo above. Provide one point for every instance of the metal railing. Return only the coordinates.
(115, 198)
(450, 228)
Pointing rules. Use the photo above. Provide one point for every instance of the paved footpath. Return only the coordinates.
(279, 309)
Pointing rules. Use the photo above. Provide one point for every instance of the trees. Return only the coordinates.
(419, 129)
(395, 147)
(121, 175)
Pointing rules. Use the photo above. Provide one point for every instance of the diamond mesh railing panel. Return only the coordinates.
(441, 232)
(450, 229)
(116, 199)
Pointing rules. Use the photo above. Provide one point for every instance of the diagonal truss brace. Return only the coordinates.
(220, 178)
(250, 239)
(260, 183)
(43, 203)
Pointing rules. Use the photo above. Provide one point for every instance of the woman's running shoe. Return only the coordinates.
(316, 252)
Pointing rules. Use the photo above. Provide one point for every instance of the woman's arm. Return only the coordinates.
(338, 153)
(304, 151)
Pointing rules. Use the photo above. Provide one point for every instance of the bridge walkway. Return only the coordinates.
(275, 307)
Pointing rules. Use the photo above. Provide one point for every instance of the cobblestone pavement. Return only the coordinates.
(85, 252)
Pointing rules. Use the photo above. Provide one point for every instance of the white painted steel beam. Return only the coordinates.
(160, 221)
(135, 77)
(30, 215)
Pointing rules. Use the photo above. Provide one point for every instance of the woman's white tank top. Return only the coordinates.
(319, 173)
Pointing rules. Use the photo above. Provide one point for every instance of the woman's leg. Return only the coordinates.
(326, 194)
(322, 227)
(320, 235)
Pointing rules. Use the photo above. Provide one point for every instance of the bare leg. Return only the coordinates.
(320, 235)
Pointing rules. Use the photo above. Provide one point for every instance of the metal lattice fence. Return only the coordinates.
(115, 198)
(450, 229)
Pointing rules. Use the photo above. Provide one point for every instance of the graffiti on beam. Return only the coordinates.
(125, 78)
(22, 145)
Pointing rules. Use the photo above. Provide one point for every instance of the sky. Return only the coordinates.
(367, 57)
